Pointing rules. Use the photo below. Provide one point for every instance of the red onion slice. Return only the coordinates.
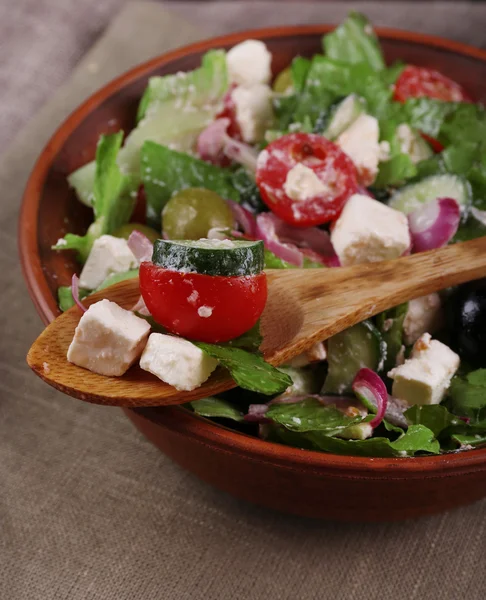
(243, 217)
(266, 231)
(211, 142)
(140, 246)
(241, 153)
(368, 385)
(75, 292)
(434, 224)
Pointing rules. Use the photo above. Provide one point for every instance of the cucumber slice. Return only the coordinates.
(345, 114)
(210, 257)
(348, 352)
(412, 196)
(82, 180)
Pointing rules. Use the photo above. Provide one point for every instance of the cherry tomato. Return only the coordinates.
(415, 82)
(203, 307)
(229, 112)
(331, 165)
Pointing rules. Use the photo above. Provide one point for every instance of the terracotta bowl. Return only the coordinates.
(286, 479)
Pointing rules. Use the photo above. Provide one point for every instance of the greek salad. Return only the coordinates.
(339, 159)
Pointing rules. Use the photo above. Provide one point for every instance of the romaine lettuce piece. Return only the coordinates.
(114, 195)
(354, 41)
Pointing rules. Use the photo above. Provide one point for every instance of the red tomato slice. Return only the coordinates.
(415, 82)
(203, 307)
(331, 165)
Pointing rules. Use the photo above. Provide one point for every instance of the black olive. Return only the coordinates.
(467, 319)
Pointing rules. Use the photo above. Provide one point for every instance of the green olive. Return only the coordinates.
(125, 230)
(283, 81)
(191, 213)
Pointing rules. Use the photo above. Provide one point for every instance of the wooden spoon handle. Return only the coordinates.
(331, 300)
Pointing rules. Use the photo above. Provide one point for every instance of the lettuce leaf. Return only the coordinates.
(250, 371)
(467, 395)
(418, 439)
(174, 110)
(400, 167)
(114, 195)
(390, 325)
(354, 41)
(216, 408)
(165, 172)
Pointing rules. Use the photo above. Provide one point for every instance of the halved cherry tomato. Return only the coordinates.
(415, 82)
(331, 165)
(203, 307)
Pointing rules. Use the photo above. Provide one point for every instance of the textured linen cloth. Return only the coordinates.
(88, 508)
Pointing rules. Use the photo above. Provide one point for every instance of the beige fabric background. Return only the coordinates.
(88, 509)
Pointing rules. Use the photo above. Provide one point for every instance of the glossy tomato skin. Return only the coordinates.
(229, 112)
(331, 165)
(416, 82)
(203, 307)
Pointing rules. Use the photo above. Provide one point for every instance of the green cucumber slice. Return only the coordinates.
(349, 351)
(229, 258)
(412, 196)
(344, 114)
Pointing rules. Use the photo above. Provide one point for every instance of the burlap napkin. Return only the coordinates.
(89, 509)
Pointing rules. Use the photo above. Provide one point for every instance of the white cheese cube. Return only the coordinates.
(249, 63)
(177, 362)
(315, 354)
(423, 314)
(302, 183)
(412, 144)
(108, 339)
(368, 231)
(253, 109)
(426, 375)
(108, 255)
(360, 141)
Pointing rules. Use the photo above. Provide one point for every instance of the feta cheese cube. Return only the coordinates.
(412, 144)
(360, 141)
(177, 362)
(253, 109)
(315, 354)
(368, 231)
(108, 339)
(108, 255)
(424, 314)
(426, 375)
(249, 63)
(302, 183)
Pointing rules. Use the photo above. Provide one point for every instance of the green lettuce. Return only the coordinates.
(174, 110)
(114, 195)
(400, 167)
(165, 172)
(216, 408)
(354, 41)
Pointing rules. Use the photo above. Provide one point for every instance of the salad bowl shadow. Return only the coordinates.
(283, 478)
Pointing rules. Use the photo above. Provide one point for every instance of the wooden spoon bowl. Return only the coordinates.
(284, 478)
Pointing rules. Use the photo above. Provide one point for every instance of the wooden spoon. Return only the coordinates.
(304, 307)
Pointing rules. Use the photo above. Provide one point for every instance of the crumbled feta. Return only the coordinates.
(302, 183)
(61, 242)
(108, 339)
(253, 110)
(215, 243)
(205, 311)
(369, 231)
(316, 353)
(249, 63)
(108, 255)
(176, 361)
(426, 375)
(412, 144)
(193, 297)
(360, 142)
(423, 314)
